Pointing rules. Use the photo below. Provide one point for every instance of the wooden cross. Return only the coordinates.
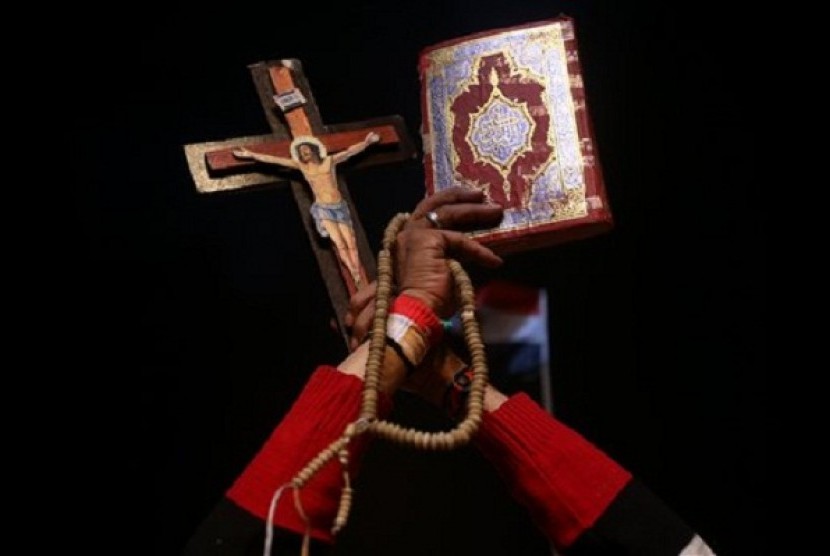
(292, 114)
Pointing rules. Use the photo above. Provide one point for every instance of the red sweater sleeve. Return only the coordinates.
(563, 480)
(327, 404)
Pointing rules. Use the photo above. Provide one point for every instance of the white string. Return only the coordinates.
(269, 523)
(298, 504)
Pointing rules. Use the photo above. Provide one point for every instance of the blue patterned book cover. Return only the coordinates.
(505, 112)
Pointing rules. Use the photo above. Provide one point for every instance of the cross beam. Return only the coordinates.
(291, 112)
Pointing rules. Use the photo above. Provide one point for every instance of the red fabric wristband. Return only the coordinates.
(421, 315)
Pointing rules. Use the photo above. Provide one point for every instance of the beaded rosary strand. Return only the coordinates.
(367, 421)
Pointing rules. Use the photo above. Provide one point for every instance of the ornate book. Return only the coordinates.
(504, 111)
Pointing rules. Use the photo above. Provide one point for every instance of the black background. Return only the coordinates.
(211, 313)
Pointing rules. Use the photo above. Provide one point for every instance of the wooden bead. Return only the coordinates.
(461, 437)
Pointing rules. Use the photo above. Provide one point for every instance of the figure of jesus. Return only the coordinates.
(329, 210)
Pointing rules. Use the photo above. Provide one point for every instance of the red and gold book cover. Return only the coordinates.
(504, 111)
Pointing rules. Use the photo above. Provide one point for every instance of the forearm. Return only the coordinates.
(392, 374)
(579, 497)
(327, 405)
(638, 522)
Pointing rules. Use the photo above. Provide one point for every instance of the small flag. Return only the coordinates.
(514, 328)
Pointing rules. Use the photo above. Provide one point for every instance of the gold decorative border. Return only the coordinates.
(205, 183)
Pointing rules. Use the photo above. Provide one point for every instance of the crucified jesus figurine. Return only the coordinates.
(329, 210)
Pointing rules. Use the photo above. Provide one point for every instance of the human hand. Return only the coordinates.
(243, 153)
(372, 137)
(457, 208)
(361, 313)
(433, 236)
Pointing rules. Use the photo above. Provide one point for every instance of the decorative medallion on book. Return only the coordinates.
(505, 112)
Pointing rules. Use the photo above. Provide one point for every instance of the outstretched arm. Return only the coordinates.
(357, 148)
(580, 498)
(266, 158)
(328, 403)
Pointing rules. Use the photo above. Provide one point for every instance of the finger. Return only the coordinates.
(362, 324)
(359, 300)
(465, 217)
(451, 195)
(464, 248)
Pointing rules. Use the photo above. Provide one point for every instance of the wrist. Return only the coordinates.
(443, 379)
(448, 384)
(413, 329)
(355, 362)
(428, 299)
(493, 399)
(392, 374)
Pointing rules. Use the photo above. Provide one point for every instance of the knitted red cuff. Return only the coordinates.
(563, 480)
(421, 316)
(327, 404)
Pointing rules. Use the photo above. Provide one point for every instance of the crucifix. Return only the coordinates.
(302, 149)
